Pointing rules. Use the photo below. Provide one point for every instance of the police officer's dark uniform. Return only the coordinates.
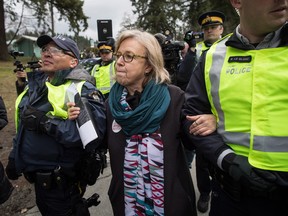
(238, 187)
(185, 71)
(47, 148)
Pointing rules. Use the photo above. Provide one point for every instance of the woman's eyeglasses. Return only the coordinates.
(128, 57)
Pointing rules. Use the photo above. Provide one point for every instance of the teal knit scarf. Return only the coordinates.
(146, 118)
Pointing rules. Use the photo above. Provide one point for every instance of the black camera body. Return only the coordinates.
(171, 49)
(15, 54)
(171, 54)
(191, 35)
(32, 65)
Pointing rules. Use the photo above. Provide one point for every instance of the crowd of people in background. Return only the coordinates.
(228, 107)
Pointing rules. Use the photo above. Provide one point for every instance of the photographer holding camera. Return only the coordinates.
(212, 25)
(20, 72)
(21, 75)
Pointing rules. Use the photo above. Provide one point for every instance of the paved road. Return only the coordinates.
(101, 187)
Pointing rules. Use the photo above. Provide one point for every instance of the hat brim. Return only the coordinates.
(211, 24)
(105, 50)
(45, 39)
(211, 17)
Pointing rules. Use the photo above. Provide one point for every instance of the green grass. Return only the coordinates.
(7, 80)
(7, 86)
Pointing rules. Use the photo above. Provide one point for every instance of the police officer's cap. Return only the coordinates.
(211, 18)
(106, 46)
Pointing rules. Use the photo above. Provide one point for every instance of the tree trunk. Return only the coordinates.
(4, 55)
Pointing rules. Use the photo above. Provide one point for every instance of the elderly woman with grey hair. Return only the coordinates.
(150, 175)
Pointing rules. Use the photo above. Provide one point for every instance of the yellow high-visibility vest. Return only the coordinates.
(248, 93)
(57, 97)
(104, 76)
(200, 48)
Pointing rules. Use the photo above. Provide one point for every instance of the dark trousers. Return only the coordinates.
(223, 204)
(189, 156)
(6, 187)
(202, 174)
(63, 199)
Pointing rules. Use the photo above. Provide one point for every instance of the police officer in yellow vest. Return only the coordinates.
(47, 148)
(242, 79)
(211, 23)
(104, 69)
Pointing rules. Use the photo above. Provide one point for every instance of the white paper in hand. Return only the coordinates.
(85, 126)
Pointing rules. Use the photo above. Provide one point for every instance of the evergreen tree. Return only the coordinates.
(179, 16)
(157, 15)
(69, 10)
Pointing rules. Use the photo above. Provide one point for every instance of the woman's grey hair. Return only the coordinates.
(153, 52)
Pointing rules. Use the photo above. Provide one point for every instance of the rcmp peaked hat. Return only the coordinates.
(210, 18)
(107, 46)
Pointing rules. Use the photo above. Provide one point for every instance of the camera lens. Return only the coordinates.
(188, 36)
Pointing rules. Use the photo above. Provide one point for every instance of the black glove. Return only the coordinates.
(34, 120)
(6, 187)
(92, 165)
(189, 39)
(93, 200)
(81, 208)
(252, 178)
(11, 170)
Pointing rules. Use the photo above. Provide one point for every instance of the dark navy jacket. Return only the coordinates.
(60, 145)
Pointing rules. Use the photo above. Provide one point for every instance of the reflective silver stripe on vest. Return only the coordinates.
(217, 64)
(199, 50)
(236, 138)
(96, 68)
(214, 76)
(260, 143)
(263, 143)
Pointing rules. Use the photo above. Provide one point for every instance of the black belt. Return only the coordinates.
(49, 178)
